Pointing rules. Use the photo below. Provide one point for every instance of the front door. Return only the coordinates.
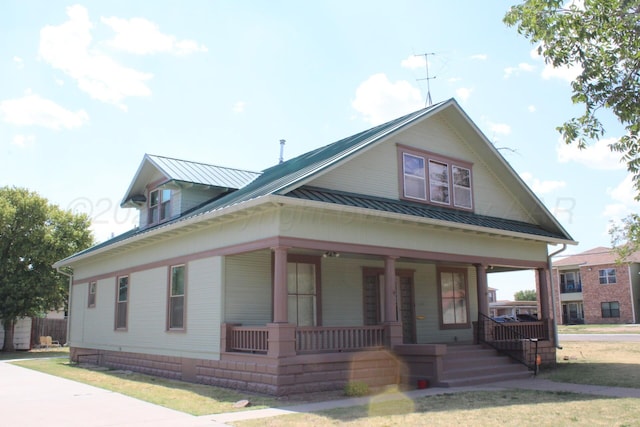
(373, 300)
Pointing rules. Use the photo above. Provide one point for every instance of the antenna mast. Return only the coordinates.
(428, 101)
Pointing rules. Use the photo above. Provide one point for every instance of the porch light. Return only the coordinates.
(330, 254)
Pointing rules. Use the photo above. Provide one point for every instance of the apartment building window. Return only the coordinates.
(610, 309)
(607, 276)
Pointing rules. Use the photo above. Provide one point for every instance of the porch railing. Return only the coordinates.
(338, 338)
(253, 339)
(316, 339)
(518, 340)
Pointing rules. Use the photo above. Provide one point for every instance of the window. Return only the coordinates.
(570, 282)
(447, 183)
(92, 295)
(454, 306)
(302, 288)
(607, 276)
(176, 297)
(122, 298)
(159, 206)
(610, 309)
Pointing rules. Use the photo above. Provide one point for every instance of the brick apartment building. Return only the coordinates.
(591, 287)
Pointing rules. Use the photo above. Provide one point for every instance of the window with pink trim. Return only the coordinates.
(159, 205)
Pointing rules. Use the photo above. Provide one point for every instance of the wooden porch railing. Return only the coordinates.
(514, 330)
(317, 339)
(338, 338)
(254, 339)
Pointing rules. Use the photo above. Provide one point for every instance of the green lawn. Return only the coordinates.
(599, 329)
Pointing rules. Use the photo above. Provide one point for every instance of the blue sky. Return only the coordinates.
(88, 88)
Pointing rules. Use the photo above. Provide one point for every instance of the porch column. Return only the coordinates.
(280, 312)
(483, 289)
(393, 328)
(390, 310)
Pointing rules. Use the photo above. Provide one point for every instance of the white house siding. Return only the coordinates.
(217, 235)
(358, 229)
(379, 165)
(247, 292)
(147, 314)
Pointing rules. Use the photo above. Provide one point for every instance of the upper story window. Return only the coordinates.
(159, 205)
(607, 276)
(570, 282)
(434, 179)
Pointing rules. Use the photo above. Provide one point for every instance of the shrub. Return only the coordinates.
(355, 389)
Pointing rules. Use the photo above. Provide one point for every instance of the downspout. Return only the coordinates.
(633, 307)
(553, 294)
(70, 276)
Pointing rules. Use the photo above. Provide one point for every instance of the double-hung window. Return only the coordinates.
(607, 276)
(159, 205)
(176, 297)
(454, 301)
(303, 288)
(92, 295)
(434, 179)
(122, 300)
(610, 309)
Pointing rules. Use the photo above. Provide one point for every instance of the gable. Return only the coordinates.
(377, 172)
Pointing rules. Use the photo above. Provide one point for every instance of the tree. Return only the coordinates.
(602, 38)
(526, 295)
(34, 235)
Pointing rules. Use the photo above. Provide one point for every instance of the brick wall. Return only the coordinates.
(593, 294)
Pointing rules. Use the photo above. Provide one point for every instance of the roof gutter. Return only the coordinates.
(70, 276)
(553, 295)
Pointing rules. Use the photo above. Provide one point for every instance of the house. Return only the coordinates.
(594, 288)
(365, 259)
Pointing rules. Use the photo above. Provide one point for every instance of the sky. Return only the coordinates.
(89, 87)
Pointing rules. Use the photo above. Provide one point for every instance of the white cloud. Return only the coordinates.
(23, 140)
(413, 62)
(463, 93)
(453, 79)
(595, 156)
(531, 108)
(623, 196)
(379, 100)
(67, 47)
(139, 36)
(32, 110)
(19, 62)
(239, 107)
(550, 72)
(523, 66)
(541, 187)
(499, 128)
(480, 57)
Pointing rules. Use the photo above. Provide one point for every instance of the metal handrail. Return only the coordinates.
(510, 342)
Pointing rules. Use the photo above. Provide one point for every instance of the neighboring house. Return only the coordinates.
(594, 288)
(365, 259)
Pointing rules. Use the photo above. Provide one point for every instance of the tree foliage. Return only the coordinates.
(525, 295)
(34, 235)
(602, 39)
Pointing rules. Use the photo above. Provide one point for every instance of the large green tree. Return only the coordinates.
(602, 39)
(33, 235)
(526, 295)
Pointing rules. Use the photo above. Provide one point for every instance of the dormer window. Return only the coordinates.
(429, 178)
(159, 206)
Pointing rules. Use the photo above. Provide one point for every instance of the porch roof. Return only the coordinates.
(419, 210)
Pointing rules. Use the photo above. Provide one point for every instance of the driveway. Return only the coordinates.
(33, 399)
(599, 337)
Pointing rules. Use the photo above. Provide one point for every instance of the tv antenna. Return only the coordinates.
(428, 101)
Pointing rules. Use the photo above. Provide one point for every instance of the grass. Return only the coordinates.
(513, 407)
(35, 354)
(599, 329)
(598, 363)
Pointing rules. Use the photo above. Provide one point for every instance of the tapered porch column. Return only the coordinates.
(282, 334)
(483, 289)
(280, 312)
(393, 326)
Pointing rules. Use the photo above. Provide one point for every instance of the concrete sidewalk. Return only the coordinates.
(33, 399)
